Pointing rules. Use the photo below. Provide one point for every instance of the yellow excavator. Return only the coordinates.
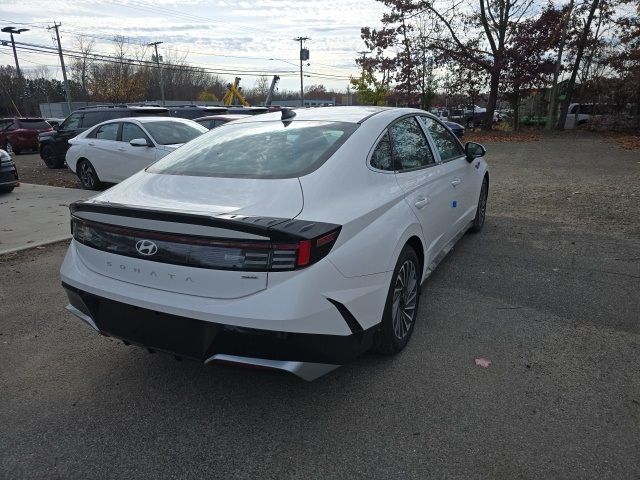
(234, 91)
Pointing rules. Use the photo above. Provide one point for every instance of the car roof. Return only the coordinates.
(349, 114)
(228, 116)
(147, 120)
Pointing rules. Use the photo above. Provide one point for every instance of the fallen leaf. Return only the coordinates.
(483, 362)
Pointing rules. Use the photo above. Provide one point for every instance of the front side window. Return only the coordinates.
(381, 158)
(108, 131)
(72, 122)
(272, 149)
(410, 147)
(131, 131)
(446, 143)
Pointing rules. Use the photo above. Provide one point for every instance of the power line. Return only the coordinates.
(196, 52)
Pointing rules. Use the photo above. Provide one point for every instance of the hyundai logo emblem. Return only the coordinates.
(146, 248)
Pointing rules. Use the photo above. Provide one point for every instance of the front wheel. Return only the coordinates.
(11, 150)
(48, 155)
(401, 308)
(481, 211)
(87, 175)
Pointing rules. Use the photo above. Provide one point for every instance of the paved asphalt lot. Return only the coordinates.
(549, 291)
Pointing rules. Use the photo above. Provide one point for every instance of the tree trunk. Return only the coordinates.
(553, 105)
(487, 124)
(576, 66)
(515, 104)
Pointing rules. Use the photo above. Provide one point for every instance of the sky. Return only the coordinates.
(243, 37)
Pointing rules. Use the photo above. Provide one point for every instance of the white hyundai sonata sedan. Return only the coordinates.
(116, 149)
(294, 240)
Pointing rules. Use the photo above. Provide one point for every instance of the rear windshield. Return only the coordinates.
(34, 124)
(258, 150)
(170, 133)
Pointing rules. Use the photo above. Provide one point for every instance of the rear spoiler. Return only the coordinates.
(278, 229)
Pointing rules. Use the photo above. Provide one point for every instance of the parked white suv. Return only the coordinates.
(294, 240)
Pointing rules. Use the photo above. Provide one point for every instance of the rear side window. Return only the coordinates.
(447, 144)
(381, 158)
(410, 147)
(108, 131)
(258, 150)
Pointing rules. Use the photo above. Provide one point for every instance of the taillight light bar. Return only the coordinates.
(206, 252)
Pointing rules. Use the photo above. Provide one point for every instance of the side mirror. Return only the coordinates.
(56, 126)
(474, 150)
(139, 142)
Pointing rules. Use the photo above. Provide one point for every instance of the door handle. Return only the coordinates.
(455, 182)
(421, 202)
(122, 149)
(91, 144)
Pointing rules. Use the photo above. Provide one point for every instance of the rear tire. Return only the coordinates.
(401, 308)
(48, 155)
(88, 176)
(481, 210)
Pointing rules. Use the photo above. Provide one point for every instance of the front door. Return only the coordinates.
(457, 174)
(420, 177)
(133, 158)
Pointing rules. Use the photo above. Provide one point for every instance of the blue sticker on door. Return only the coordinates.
(454, 204)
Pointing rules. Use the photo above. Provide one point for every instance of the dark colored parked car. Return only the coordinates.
(8, 173)
(456, 128)
(195, 111)
(218, 120)
(54, 144)
(18, 134)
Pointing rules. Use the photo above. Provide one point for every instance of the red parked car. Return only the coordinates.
(18, 134)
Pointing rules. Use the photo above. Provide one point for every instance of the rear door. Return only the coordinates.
(456, 174)
(420, 177)
(102, 152)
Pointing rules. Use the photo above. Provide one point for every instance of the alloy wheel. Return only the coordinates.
(86, 175)
(405, 296)
(9, 148)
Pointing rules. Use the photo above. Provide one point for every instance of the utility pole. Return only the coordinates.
(304, 55)
(67, 90)
(17, 31)
(155, 45)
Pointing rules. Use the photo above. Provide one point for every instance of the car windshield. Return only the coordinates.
(169, 133)
(34, 124)
(258, 150)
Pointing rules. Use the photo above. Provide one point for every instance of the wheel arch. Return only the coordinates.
(416, 243)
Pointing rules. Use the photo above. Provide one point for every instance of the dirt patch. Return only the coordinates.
(32, 169)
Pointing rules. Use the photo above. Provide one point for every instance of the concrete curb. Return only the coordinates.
(35, 244)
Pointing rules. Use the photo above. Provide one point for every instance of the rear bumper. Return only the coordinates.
(304, 354)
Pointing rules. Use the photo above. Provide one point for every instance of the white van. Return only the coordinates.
(581, 113)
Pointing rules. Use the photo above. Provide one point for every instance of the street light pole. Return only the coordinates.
(304, 55)
(17, 31)
(155, 45)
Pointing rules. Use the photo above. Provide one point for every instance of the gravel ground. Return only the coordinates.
(32, 169)
(548, 292)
